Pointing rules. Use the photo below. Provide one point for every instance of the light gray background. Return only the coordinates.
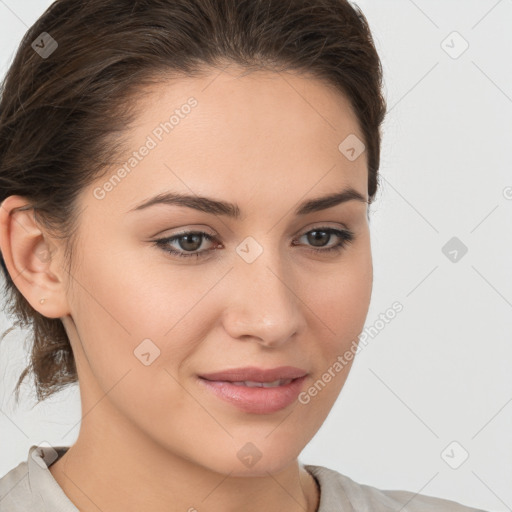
(440, 371)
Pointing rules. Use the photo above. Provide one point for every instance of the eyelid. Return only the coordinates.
(214, 235)
(205, 228)
(184, 230)
(320, 225)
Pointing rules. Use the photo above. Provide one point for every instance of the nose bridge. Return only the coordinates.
(263, 304)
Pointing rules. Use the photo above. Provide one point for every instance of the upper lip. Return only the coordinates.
(255, 374)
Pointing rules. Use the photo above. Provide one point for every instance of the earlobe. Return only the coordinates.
(31, 262)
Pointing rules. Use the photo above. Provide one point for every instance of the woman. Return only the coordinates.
(187, 237)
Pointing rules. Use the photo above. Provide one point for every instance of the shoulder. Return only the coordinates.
(31, 486)
(15, 494)
(337, 489)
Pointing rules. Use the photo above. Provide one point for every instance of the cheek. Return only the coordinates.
(138, 317)
(340, 295)
(122, 320)
(340, 305)
(139, 294)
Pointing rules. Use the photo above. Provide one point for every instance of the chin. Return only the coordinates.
(251, 461)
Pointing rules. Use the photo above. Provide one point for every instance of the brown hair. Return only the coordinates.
(62, 114)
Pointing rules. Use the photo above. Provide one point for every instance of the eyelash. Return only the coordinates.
(346, 237)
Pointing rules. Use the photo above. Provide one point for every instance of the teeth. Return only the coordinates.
(252, 384)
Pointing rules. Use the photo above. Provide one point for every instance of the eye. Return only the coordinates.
(189, 242)
(319, 235)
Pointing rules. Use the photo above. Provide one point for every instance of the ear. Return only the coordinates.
(33, 261)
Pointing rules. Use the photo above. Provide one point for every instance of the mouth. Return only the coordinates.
(258, 395)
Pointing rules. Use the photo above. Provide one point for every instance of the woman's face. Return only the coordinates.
(145, 324)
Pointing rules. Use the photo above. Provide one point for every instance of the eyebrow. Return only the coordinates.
(216, 207)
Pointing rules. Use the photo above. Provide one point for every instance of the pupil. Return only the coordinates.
(315, 236)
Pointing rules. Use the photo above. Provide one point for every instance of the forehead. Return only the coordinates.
(235, 133)
(257, 101)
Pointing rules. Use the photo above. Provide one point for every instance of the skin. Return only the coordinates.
(266, 141)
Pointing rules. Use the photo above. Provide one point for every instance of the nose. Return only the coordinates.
(263, 305)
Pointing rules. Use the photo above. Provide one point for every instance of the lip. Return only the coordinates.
(256, 400)
(255, 374)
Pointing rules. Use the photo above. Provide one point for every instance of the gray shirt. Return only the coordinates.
(31, 487)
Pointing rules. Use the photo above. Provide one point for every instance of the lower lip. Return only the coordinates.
(258, 400)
